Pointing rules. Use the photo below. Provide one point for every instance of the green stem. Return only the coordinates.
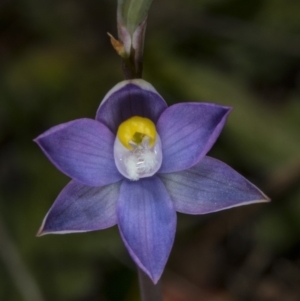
(149, 291)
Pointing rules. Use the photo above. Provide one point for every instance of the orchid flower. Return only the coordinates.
(138, 163)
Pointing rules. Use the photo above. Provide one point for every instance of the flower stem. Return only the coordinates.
(149, 291)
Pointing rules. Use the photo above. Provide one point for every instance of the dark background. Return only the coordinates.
(56, 64)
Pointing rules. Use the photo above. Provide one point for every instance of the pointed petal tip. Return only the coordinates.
(266, 199)
(154, 278)
(260, 201)
(229, 109)
(37, 140)
(40, 233)
(147, 224)
(43, 233)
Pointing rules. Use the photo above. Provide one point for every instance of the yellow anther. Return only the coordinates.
(135, 129)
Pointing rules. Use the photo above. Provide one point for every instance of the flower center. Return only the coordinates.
(137, 148)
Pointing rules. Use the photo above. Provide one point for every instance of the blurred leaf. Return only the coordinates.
(262, 134)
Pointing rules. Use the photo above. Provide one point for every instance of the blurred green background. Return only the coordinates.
(57, 64)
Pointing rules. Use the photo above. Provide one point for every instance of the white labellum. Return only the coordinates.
(140, 162)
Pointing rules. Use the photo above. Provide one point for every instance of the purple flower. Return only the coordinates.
(136, 165)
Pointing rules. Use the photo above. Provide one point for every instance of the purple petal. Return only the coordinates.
(83, 150)
(127, 99)
(210, 186)
(147, 223)
(81, 208)
(187, 132)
